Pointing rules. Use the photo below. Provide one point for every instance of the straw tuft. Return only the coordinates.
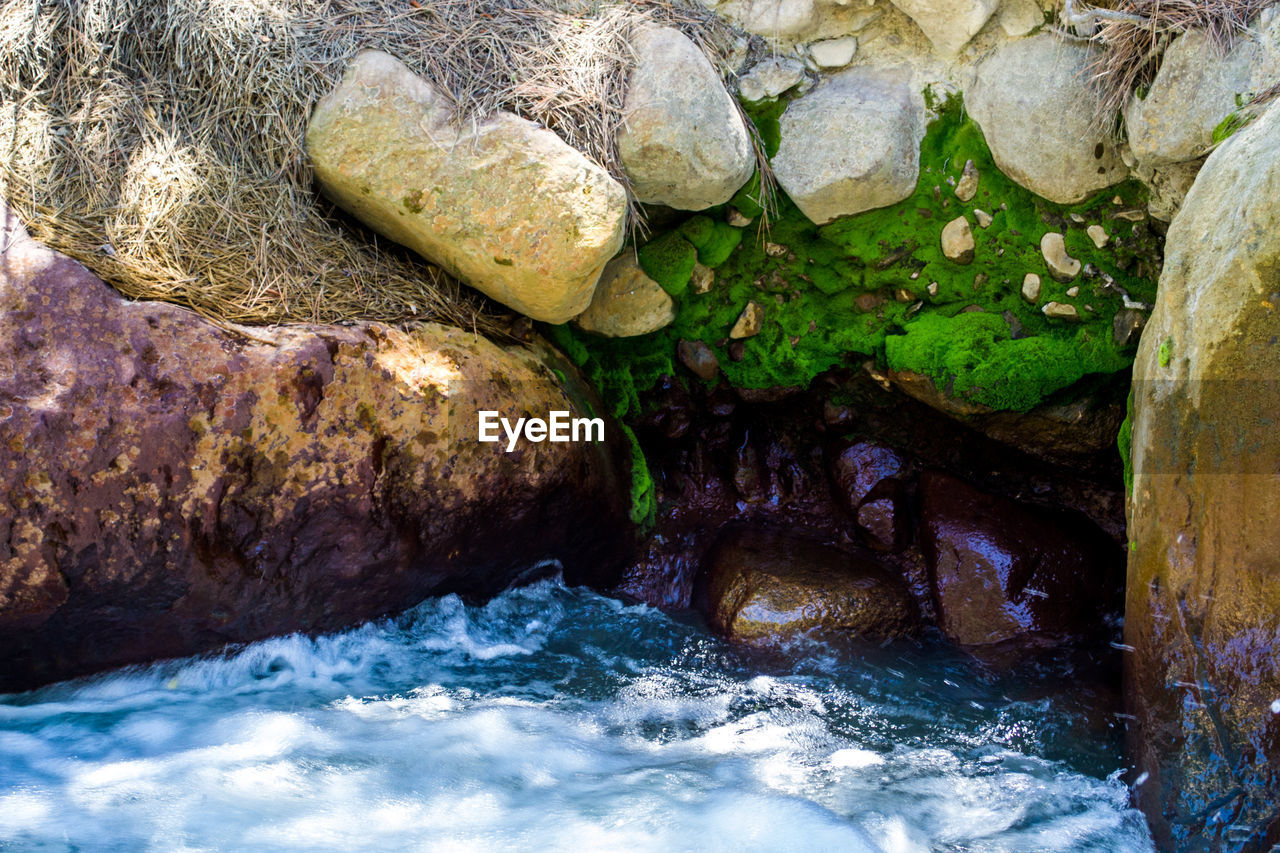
(160, 142)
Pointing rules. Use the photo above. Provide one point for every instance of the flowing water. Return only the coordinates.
(555, 719)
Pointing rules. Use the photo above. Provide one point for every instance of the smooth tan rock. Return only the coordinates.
(948, 24)
(627, 302)
(869, 158)
(766, 586)
(1053, 248)
(703, 278)
(1061, 311)
(1098, 235)
(683, 143)
(957, 241)
(1031, 288)
(1032, 101)
(170, 485)
(833, 53)
(503, 204)
(967, 187)
(984, 218)
(1203, 607)
(749, 322)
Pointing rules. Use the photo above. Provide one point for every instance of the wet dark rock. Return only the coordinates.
(170, 486)
(699, 358)
(764, 585)
(1003, 571)
(867, 480)
(770, 463)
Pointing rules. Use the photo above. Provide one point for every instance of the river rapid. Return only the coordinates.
(559, 719)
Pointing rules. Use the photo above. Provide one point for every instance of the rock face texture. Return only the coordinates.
(683, 144)
(1203, 601)
(850, 145)
(503, 204)
(627, 302)
(1031, 100)
(169, 486)
(1195, 89)
(949, 24)
(1001, 571)
(764, 585)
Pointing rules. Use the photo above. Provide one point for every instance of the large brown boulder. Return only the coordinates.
(1203, 602)
(168, 486)
(1001, 570)
(764, 585)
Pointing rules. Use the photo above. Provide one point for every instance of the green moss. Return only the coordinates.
(1234, 120)
(714, 241)
(1165, 354)
(668, 259)
(981, 362)
(859, 287)
(747, 200)
(1124, 441)
(766, 115)
(644, 501)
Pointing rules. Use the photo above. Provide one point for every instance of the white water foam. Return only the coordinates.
(549, 719)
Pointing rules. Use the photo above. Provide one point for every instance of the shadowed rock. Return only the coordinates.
(1002, 571)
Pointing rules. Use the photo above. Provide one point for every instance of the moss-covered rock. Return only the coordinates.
(878, 286)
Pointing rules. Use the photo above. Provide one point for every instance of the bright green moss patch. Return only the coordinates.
(1165, 353)
(1124, 441)
(668, 259)
(877, 286)
(982, 362)
(644, 499)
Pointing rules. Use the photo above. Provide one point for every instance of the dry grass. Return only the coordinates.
(1134, 33)
(159, 142)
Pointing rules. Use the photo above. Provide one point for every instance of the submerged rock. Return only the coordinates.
(1002, 571)
(627, 302)
(171, 486)
(829, 171)
(683, 143)
(763, 585)
(1203, 609)
(503, 204)
(1032, 101)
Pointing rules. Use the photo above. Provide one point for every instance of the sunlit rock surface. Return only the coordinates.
(502, 203)
(1203, 609)
(170, 485)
